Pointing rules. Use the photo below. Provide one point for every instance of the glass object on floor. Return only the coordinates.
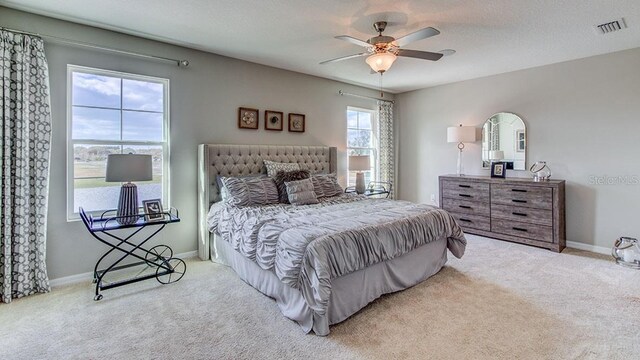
(626, 251)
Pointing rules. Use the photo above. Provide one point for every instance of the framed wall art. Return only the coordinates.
(247, 118)
(273, 120)
(296, 123)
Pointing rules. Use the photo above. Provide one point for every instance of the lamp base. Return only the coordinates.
(360, 188)
(127, 212)
(460, 170)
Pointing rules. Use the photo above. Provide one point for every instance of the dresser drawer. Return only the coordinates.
(461, 184)
(466, 207)
(522, 214)
(525, 196)
(453, 191)
(473, 221)
(521, 229)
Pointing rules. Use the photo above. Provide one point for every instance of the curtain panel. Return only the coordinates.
(386, 141)
(24, 165)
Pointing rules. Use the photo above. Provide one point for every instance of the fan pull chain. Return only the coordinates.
(381, 93)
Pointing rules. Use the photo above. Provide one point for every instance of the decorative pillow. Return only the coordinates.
(224, 193)
(301, 192)
(250, 191)
(285, 176)
(273, 167)
(326, 185)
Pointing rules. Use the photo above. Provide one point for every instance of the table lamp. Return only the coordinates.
(360, 163)
(496, 155)
(461, 134)
(127, 168)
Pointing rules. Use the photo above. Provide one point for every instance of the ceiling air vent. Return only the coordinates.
(612, 26)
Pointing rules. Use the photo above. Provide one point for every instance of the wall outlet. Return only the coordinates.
(433, 200)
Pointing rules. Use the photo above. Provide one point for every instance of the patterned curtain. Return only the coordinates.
(386, 158)
(25, 120)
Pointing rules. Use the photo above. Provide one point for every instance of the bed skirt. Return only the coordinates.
(349, 293)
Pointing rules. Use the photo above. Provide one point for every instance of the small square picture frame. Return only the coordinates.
(498, 170)
(153, 210)
(296, 122)
(273, 120)
(248, 118)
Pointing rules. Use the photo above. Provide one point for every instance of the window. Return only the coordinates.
(362, 140)
(114, 113)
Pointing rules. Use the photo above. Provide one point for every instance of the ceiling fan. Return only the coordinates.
(382, 50)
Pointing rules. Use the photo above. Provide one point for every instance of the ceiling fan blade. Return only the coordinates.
(353, 40)
(415, 36)
(343, 58)
(425, 55)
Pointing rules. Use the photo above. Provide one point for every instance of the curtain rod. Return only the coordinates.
(55, 39)
(364, 97)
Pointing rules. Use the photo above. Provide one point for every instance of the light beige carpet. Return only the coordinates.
(501, 301)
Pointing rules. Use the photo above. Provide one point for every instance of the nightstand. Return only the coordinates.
(375, 188)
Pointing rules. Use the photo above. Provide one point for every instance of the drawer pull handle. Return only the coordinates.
(519, 190)
(519, 201)
(464, 195)
(465, 186)
(465, 220)
(519, 229)
(464, 206)
(519, 214)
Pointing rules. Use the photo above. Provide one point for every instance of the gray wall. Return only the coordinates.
(582, 117)
(204, 101)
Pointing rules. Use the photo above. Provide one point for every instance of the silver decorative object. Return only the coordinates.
(540, 171)
(626, 251)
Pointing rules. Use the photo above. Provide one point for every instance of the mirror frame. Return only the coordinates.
(526, 140)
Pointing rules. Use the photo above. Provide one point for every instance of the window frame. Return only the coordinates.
(165, 143)
(374, 139)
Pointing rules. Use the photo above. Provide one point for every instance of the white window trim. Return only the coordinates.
(374, 132)
(166, 176)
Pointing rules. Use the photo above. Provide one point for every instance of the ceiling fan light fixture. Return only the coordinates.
(381, 62)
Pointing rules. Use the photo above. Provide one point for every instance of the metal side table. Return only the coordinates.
(105, 229)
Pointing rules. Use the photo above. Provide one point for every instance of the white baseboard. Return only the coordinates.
(88, 276)
(596, 249)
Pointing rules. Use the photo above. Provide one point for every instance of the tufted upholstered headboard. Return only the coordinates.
(241, 160)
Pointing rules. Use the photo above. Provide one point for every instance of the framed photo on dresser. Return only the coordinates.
(498, 170)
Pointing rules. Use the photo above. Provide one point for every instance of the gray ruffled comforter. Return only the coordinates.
(307, 246)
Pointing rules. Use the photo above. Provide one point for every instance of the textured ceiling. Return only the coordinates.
(490, 37)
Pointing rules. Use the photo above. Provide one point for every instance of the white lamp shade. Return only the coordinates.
(381, 62)
(359, 163)
(496, 155)
(461, 134)
(129, 167)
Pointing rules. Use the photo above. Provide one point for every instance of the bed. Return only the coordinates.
(323, 262)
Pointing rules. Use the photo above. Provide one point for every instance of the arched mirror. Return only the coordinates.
(504, 139)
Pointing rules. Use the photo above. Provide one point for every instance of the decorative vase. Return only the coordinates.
(626, 251)
(540, 171)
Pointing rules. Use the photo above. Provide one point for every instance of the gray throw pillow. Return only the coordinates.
(301, 192)
(285, 176)
(250, 191)
(326, 185)
(273, 167)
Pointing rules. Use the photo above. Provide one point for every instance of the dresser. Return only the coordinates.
(512, 209)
